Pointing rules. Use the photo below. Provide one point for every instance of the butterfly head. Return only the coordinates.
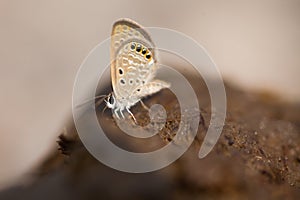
(111, 101)
(120, 103)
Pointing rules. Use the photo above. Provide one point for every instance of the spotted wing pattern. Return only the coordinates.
(135, 67)
(123, 32)
(133, 63)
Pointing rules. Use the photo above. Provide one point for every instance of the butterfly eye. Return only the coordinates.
(111, 100)
(138, 48)
(132, 46)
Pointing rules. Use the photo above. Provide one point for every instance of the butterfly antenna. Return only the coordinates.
(98, 103)
(101, 97)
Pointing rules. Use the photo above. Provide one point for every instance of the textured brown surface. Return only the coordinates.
(256, 157)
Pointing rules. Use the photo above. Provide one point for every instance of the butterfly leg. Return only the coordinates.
(144, 106)
(116, 113)
(131, 114)
(121, 111)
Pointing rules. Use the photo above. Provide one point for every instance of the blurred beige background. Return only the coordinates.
(256, 45)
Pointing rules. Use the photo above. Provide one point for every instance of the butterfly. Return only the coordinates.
(133, 67)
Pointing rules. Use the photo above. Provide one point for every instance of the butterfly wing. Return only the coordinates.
(132, 58)
(133, 63)
(125, 29)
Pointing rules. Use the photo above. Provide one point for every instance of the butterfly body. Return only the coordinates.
(133, 67)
